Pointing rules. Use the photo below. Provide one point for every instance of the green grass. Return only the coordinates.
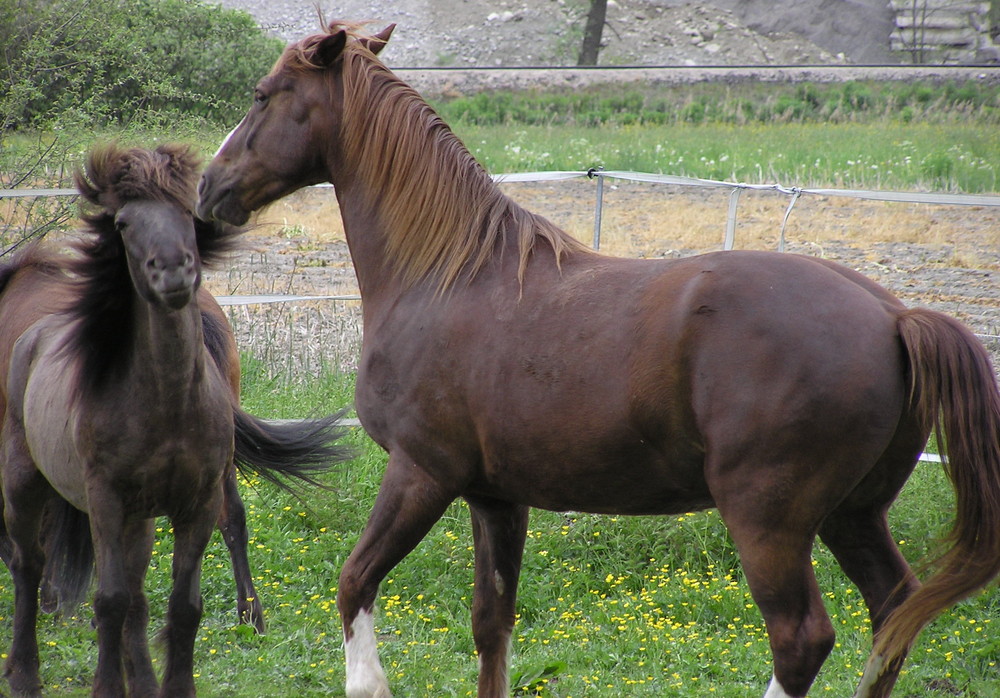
(941, 137)
(615, 104)
(937, 157)
(608, 606)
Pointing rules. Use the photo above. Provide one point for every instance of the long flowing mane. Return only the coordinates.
(443, 214)
(112, 177)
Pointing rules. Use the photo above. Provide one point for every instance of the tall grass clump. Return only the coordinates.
(742, 103)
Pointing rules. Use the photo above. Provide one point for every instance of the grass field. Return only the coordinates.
(608, 606)
(936, 157)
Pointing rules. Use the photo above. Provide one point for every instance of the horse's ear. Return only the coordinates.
(378, 41)
(330, 48)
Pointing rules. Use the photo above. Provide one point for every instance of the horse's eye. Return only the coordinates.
(259, 97)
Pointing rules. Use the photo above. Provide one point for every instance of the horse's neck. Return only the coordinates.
(367, 241)
(168, 350)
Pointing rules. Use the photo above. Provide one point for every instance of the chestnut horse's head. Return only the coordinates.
(281, 144)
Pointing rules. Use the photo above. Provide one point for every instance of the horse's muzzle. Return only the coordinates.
(216, 201)
(174, 284)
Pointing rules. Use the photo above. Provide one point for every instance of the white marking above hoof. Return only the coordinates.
(775, 690)
(365, 677)
(873, 669)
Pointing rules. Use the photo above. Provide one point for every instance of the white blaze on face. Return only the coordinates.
(229, 135)
(774, 690)
(365, 678)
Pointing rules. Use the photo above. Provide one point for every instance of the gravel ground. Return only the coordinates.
(437, 41)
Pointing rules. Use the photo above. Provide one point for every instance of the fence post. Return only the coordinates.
(734, 200)
(599, 206)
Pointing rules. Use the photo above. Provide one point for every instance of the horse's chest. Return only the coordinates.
(151, 453)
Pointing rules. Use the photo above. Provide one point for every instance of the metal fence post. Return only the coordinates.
(734, 200)
(599, 206)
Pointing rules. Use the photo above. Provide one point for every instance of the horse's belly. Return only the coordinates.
(49, 425)
(607, 478)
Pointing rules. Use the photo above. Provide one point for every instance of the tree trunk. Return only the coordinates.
(592, 32)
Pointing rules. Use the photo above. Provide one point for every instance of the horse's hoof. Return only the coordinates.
(22, 686)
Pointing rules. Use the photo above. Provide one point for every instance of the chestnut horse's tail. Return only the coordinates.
(277, 451)
(953, 390)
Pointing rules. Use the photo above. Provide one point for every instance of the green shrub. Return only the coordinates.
(101, 62)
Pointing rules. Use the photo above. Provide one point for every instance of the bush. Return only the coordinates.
(102, 62)
(76, 70)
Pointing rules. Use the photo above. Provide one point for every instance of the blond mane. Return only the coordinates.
(443, 214)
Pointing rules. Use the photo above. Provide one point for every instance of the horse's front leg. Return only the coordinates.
(233, 526)
(191, 536)
(409, 502)
(499, 530)
(111, 600)
(139, 535)
(25, 492)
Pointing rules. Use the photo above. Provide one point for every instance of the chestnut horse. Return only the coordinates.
(506, 364)
(120, 404)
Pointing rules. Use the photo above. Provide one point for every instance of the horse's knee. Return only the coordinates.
(111, 607)
(28, 559)
(185, 612)
(491, 631)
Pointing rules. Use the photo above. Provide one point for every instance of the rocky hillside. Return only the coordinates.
(463, 33)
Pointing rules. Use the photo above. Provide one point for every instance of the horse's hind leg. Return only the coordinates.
(499, 530)
(858, 535)
(25, 492)
(233, 526)
(776, 557)
(409, 502)
(864, 547)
